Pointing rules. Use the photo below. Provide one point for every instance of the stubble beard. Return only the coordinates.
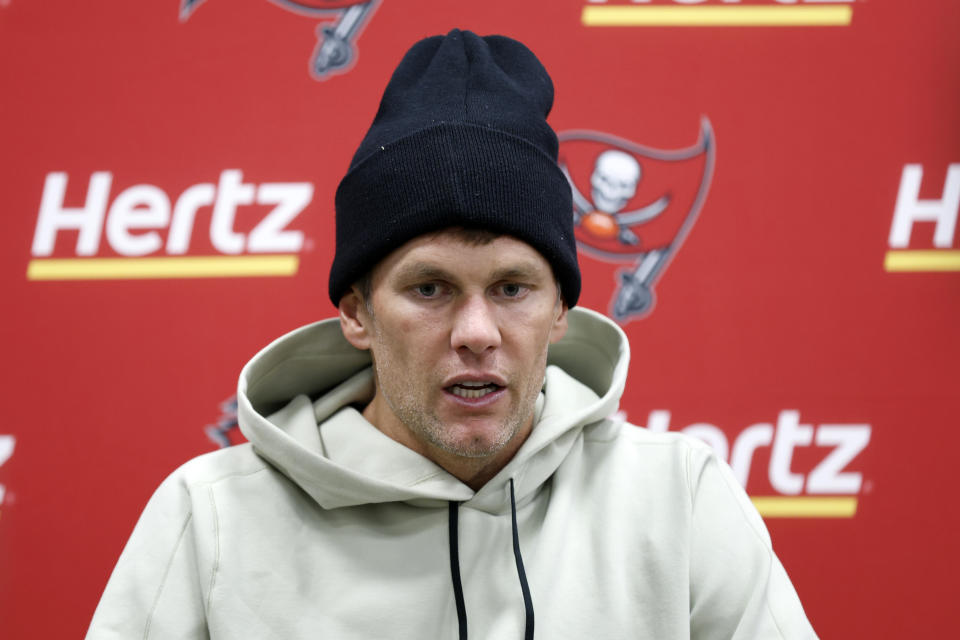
(426, 426)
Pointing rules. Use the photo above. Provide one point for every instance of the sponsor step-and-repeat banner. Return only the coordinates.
(766, 196)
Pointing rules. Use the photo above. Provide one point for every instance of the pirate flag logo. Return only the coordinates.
(634, 205)
(335, 50)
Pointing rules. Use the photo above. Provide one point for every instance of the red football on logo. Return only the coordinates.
(601, 225)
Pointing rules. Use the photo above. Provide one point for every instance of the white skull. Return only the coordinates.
(614, 180)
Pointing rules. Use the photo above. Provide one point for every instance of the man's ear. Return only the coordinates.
(559, 328)
(354, 319)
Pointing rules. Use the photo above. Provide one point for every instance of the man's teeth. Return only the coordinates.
(473, 389)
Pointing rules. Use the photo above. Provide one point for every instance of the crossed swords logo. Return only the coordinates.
(335, 50)
(616, 174)
(219, 433)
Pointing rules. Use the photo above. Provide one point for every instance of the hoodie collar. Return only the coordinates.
(298, 402)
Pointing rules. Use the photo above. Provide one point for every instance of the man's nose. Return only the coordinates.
(475, 326)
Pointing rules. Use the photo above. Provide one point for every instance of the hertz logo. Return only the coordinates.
(136, 221)
(911, 210)
(807, 472)
(7, 443)
(718, 13)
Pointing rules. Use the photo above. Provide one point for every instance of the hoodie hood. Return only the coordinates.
(299, 403)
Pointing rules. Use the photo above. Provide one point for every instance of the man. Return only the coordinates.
(439, 461)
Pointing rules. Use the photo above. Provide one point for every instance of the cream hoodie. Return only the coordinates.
(322, 527)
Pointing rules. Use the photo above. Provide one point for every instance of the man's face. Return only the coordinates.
(459, 334)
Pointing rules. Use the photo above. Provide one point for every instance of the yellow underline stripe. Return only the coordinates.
(162, 267)
(806, 506)
(929, 260)
(773, 16)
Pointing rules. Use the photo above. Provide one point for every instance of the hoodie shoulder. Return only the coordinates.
(237, 460)
(630, 435)
(665, 459)
(671, 458)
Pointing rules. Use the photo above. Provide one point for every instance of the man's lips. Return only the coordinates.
(471, 391)
(474, 387)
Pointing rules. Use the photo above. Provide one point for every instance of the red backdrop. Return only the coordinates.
(793, 298)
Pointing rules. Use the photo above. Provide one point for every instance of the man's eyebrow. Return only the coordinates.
(524, 271)
(423, 271)
(429, 271)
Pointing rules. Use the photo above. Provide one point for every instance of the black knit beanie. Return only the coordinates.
(460, 140)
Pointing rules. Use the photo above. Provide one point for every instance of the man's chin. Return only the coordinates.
(472, 442)
(472, 449)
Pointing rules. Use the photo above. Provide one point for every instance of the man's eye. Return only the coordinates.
(428, 290)
(511, 289)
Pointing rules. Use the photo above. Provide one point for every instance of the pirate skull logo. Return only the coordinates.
(614, 180)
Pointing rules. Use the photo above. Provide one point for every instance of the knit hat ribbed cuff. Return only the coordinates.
(453, 175)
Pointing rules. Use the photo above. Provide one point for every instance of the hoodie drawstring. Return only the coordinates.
(527, 601)
(455, 569)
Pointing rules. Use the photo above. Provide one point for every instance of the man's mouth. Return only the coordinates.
(473, 390)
